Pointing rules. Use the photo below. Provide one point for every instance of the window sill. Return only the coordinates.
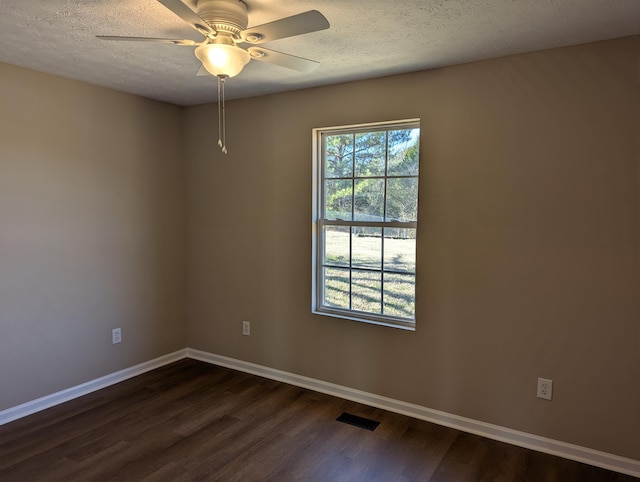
(399, 324)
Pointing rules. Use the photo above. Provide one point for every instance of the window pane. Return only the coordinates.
(338, 199)
(339, 156)
(400, 249)
(367, 247)
(369, 200)
(399, 295)
(366, 295)
(336, 245)
(403, 152)
(367, 193)
(336, 287)
(402, 199)
(371, 150)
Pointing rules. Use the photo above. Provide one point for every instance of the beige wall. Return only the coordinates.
(528, 248)
(529, 242)
(91, 232)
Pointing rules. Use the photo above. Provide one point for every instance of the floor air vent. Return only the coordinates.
(356, 421)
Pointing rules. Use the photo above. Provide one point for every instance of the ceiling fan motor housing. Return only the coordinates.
(224, 15)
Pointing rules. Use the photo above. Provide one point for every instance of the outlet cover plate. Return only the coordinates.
(545, 388)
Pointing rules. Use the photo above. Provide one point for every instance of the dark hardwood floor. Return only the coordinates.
(190, 421)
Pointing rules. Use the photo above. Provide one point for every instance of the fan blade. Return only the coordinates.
(149, 39)
(283, 60)
(188, 15)
(306, 22)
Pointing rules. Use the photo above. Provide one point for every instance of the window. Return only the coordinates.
(365, 221)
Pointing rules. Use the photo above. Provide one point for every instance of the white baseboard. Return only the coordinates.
(62, 396)
(495, 432)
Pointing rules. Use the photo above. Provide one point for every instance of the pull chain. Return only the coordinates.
(222, 122)
(219, 117)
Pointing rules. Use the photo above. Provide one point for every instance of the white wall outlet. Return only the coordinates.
(116, 335)
(246, 328)
(545, 388)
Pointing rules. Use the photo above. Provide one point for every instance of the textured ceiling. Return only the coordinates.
(367, 38)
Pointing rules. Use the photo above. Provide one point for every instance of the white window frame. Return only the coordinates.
(318, 222)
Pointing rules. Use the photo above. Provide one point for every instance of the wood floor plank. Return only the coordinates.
(191, 421)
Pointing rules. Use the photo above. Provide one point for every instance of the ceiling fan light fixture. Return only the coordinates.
(223, 24)
(222, 59)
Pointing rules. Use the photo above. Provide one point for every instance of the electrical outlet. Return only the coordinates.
(545, 388)
(116, 336)
(246, 328)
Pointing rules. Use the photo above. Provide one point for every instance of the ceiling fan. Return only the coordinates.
(228, 44)
(223, 23)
